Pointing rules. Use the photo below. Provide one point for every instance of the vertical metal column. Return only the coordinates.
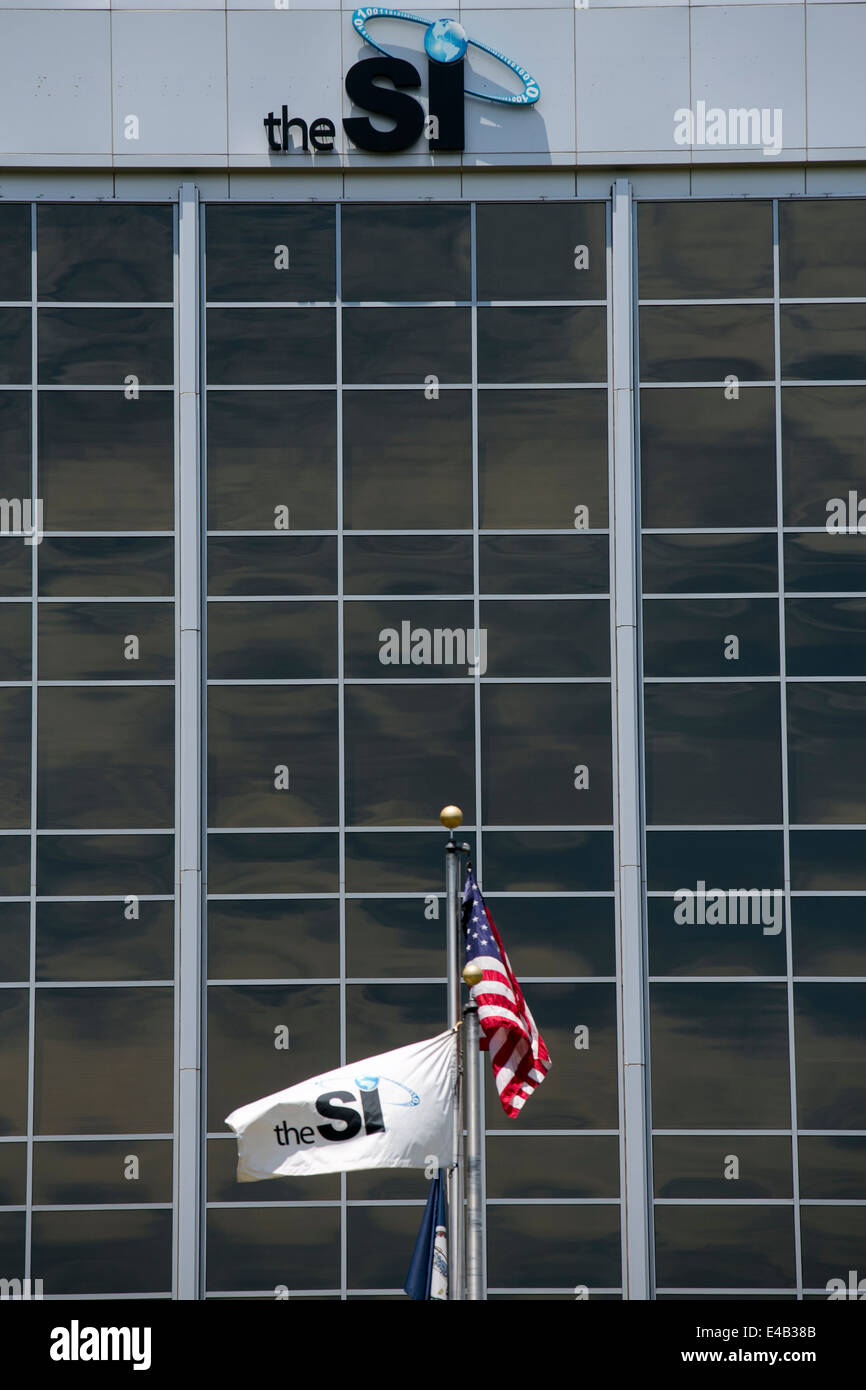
(625, 536)
(188, 962)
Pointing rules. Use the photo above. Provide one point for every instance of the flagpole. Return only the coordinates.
(451, 817)
(474, 1255)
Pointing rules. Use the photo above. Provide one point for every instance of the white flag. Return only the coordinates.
(393, 1111)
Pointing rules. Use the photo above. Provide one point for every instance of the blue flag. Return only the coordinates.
(428, 1273)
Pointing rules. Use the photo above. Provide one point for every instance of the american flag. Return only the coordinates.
(517, 1050)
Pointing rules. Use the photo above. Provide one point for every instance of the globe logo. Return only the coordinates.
(446, 41)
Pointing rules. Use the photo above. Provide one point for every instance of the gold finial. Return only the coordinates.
(472, 973)
(451, 817)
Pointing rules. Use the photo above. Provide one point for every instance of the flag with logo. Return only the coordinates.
(428, 1273)
(517, 1050)
(391, 1111)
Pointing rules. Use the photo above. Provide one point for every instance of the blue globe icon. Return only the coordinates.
(445, 41)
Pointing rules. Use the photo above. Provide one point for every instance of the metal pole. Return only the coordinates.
(472, 1170)
(451, 817)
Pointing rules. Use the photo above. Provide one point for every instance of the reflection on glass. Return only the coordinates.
(554, 343)
(691, 343)
(698, 1165)
(258, 939)
(735, 484)
(547, 754)
(825, 635)
(15, 623)
(400, 251)
(407, 564)
(85, 865)
(408, 749)
(294, 1247)
(580, 1090)
(105, 463)
(821, 248)
(725, 1247)
(709, 564)
(106, 641)
(103, 1252)
(713, 753)
(830, 1040)
(106, 757)
(263, 863)
(244, 257)
(407, 460)
(106, 566)
(832, 1166)
(420, 346)
(720, 1056)
(105, 347)
(529, 1165)
(14, 941)
(268, 451)
(828, 935)
(394, 936)
(91, 1172)
(748, 938)
(99, 941)
(272, 755)
(14, 1013)
(822, 449)
(823, 341)
(703, 637)
(104, 251)
(577, 564)
(541, 250)
(552, 1247)
(560, 486)
(826, 752)
(823, 561)
(244, 1061)
(104, 1060)
(15, 340)
(382, 1017)
(278, 564)
(271, 347)
(705, 250)
(15, 251)
(678, 857)
(271, 641)
(14, 758)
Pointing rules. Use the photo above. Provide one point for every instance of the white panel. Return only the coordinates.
(285, 185)
(286, 58)
(632, 74)
(504, 184)
(765, 180)
(753, 57)
(545, 47)
(54, 83)
(169, 71)
(836, 38)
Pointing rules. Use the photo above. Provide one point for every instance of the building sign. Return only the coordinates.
(446, 44)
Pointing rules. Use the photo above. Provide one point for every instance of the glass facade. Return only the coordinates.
(387, 567)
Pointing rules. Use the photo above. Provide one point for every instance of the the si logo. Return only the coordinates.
(446, 43)
(346, 1122)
